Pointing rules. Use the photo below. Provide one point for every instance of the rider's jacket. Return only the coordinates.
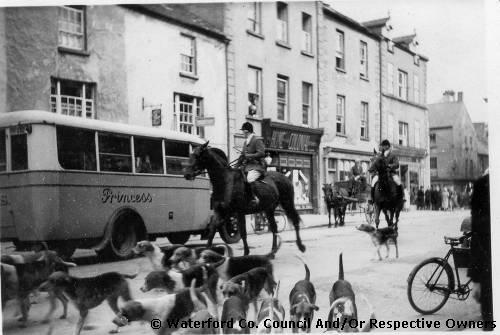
(391, 161)
(252, 156)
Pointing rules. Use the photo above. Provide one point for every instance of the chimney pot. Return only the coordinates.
(460, 96)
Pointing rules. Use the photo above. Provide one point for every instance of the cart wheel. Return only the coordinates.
(429, 285)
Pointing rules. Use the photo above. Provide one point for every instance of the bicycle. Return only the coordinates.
(434, 277)
(260, 224)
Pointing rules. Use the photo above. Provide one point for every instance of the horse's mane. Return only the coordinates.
(218, 152)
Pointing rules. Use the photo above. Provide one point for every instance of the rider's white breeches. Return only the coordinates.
(253, 175)
(394, 177)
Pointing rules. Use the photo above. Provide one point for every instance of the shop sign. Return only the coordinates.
(294, 138)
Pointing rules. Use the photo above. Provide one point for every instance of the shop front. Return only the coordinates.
(294, 151)
(411, 169)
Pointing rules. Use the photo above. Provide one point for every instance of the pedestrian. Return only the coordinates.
(438, 198)
(445, 199)
(454, 198)
(406, 205)
(433, 198)
(480, 270)
(427, 198)
(420, 198)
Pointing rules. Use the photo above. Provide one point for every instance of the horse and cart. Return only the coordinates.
(349, 193)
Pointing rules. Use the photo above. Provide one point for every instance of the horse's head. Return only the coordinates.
(202, 158)
(378, 165)
(197, 162)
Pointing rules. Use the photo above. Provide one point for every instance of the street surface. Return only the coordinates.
(382, 282)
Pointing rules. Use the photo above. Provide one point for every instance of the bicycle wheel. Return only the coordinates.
(429, 285)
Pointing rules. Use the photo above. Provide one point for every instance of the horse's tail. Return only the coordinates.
(273, 252)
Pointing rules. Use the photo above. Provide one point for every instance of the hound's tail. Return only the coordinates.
(308, 273)
(341, 268)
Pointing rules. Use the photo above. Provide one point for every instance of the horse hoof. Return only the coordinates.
(302, 248)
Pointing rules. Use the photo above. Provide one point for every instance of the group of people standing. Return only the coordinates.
(442, 198)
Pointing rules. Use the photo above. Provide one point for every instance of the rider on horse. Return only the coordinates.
(356, 174)
(251, 159)
(392, 163)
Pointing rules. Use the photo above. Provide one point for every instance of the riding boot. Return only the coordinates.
(254, 202)
(401, 193)
(372, 194)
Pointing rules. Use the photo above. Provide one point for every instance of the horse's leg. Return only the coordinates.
(289, 208)
(273, 228)
(243, 232)
(212, 227)
(376, 213)
(329, 215)
(388, 219)
(336, 215)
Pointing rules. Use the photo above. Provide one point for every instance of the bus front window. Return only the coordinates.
(115, 153)
(19, 151)
(3, 151)
(76, 149)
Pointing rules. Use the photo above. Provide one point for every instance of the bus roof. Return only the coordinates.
(43, 117)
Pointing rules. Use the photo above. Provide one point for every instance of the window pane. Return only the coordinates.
(19, 151)
(3, 151)
(148, 155)
(76, 149)
(179, 149)
(114, 153)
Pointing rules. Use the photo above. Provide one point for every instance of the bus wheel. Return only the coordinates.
(229, 231)
(178, 238)
(124, 237)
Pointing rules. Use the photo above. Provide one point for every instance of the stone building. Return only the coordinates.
(454, 148)
(272, 69)
(404, 115)
(349, 94)
(481, 129)
(151, 65)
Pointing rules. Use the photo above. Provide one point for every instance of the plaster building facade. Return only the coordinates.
(454, 148)
(272, 69)
(404, 120)
(349, 94)
(151, 65)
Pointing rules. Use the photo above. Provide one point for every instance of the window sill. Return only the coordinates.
(73, 51)
(283, 44)
(255, 34)
(341, 135)
(307, 53)
(188, 75)
(366, 139)
(340, 70)
(364, 78)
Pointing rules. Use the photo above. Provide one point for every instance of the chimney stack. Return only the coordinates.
(449, 96)
(460, 96)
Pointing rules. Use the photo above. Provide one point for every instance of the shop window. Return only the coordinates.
(114, 153)
(19, 151)
(148, 155)
(332, 170)
(3, 151)
(176, 156)
(76, 154)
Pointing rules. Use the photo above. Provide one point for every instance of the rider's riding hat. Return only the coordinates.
(386, 142)
(247, 126)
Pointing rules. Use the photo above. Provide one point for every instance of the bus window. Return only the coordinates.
(148, 156)
(3, 151)
(115, 153)
(76, 149)
(176, 155)
(19, 150)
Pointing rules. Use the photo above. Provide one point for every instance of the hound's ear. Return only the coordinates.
(316, 308)
(205, 145)
(374, 151)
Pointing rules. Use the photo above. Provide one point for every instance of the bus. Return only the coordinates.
(84, 183)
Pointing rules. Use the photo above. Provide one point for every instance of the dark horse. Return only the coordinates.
(386, 195)
(230, 195)
(335, 201)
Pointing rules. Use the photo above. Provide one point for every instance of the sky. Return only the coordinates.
(451, 33)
